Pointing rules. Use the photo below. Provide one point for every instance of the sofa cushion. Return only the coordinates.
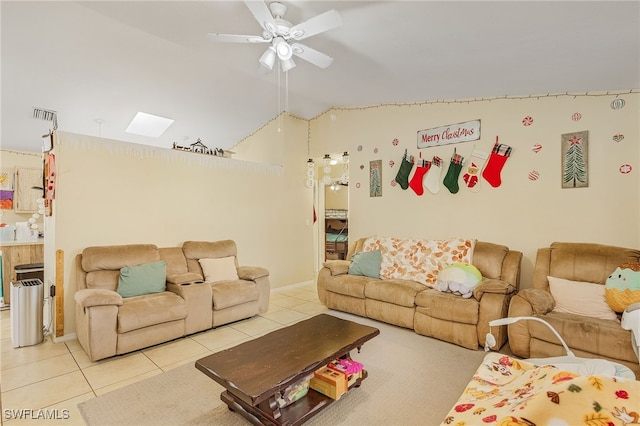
(366, 263)
(103, 263)
(105, 280)
(396, 292)
(194, 250)
(347, 285)
(580, 298)
(142, 279)
(227, 294)
(103, 258)
(176, 262)
(151, 309)
(448, 306)
(417, 259)
(219, 269)
(592, 335)
(488, 258)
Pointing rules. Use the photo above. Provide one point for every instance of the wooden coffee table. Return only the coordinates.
(254, 373)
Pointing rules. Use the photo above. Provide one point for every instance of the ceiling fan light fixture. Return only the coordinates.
(283, 49)
(268, 58)
(287, 64)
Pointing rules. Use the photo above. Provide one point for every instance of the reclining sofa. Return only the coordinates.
(576, 268)
(429, 312)
(192, 299)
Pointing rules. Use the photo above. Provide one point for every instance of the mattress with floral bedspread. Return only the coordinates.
(509, 392)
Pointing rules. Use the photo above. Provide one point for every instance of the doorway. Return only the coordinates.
(332, 201)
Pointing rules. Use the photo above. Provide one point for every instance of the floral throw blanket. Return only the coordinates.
(509, 392)
(418, 260)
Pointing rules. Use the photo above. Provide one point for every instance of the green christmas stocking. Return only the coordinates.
(451, 178)
(405, 168)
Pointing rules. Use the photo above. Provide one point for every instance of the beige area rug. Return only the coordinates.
(413, 380)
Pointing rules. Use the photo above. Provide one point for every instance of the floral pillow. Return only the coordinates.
(416, 259)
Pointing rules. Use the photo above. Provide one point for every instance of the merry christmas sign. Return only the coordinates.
(452, 133)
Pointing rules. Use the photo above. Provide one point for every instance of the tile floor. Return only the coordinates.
(55, 377)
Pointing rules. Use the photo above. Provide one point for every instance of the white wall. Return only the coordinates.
(521, 213)
(112, 192)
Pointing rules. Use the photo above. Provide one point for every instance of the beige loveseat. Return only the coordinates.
(108, 324)
(427, 311)
(586, 336)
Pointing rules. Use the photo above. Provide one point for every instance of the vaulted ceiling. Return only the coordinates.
(97, 63)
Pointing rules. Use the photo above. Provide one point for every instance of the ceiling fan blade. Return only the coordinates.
(318, 59)
(236, 38)
(320, 23)
(261, 12)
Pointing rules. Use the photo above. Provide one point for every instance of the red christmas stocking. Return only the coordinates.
(497, 158)
(418, 175)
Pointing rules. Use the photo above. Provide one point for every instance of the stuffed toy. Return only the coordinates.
(622, 288)
(458, 278)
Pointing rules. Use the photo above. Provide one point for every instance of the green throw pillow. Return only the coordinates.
(142, 279)
(366, 263)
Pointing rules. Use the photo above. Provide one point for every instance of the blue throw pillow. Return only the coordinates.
(143, 279)
(366, 263)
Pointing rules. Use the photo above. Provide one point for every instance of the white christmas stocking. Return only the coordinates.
(474, 167)
(432, 180)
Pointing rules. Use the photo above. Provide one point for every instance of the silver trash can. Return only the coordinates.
(27, 297)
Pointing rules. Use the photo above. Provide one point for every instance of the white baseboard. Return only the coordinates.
(292, 286)
(65, 338)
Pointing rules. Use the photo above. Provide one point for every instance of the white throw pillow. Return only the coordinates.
(580, 298)
(219, 269)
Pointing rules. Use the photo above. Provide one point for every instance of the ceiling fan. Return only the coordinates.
(283, 36)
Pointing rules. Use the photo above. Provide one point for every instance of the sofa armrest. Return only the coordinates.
(184, 278)
(252, 273)
(541, 301)
(97, 297)
(492, 286)
(527, 302)
(199, 304)
(337, 267)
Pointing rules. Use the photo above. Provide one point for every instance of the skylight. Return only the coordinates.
(148, 125)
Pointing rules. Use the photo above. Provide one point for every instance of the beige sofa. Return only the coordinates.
(428, 312)
(586, 336)
(108, 324)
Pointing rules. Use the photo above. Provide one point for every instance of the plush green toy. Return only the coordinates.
(622, 288)
(458, 278)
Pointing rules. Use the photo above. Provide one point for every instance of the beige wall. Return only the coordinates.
(521, 213)
(111, 192)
